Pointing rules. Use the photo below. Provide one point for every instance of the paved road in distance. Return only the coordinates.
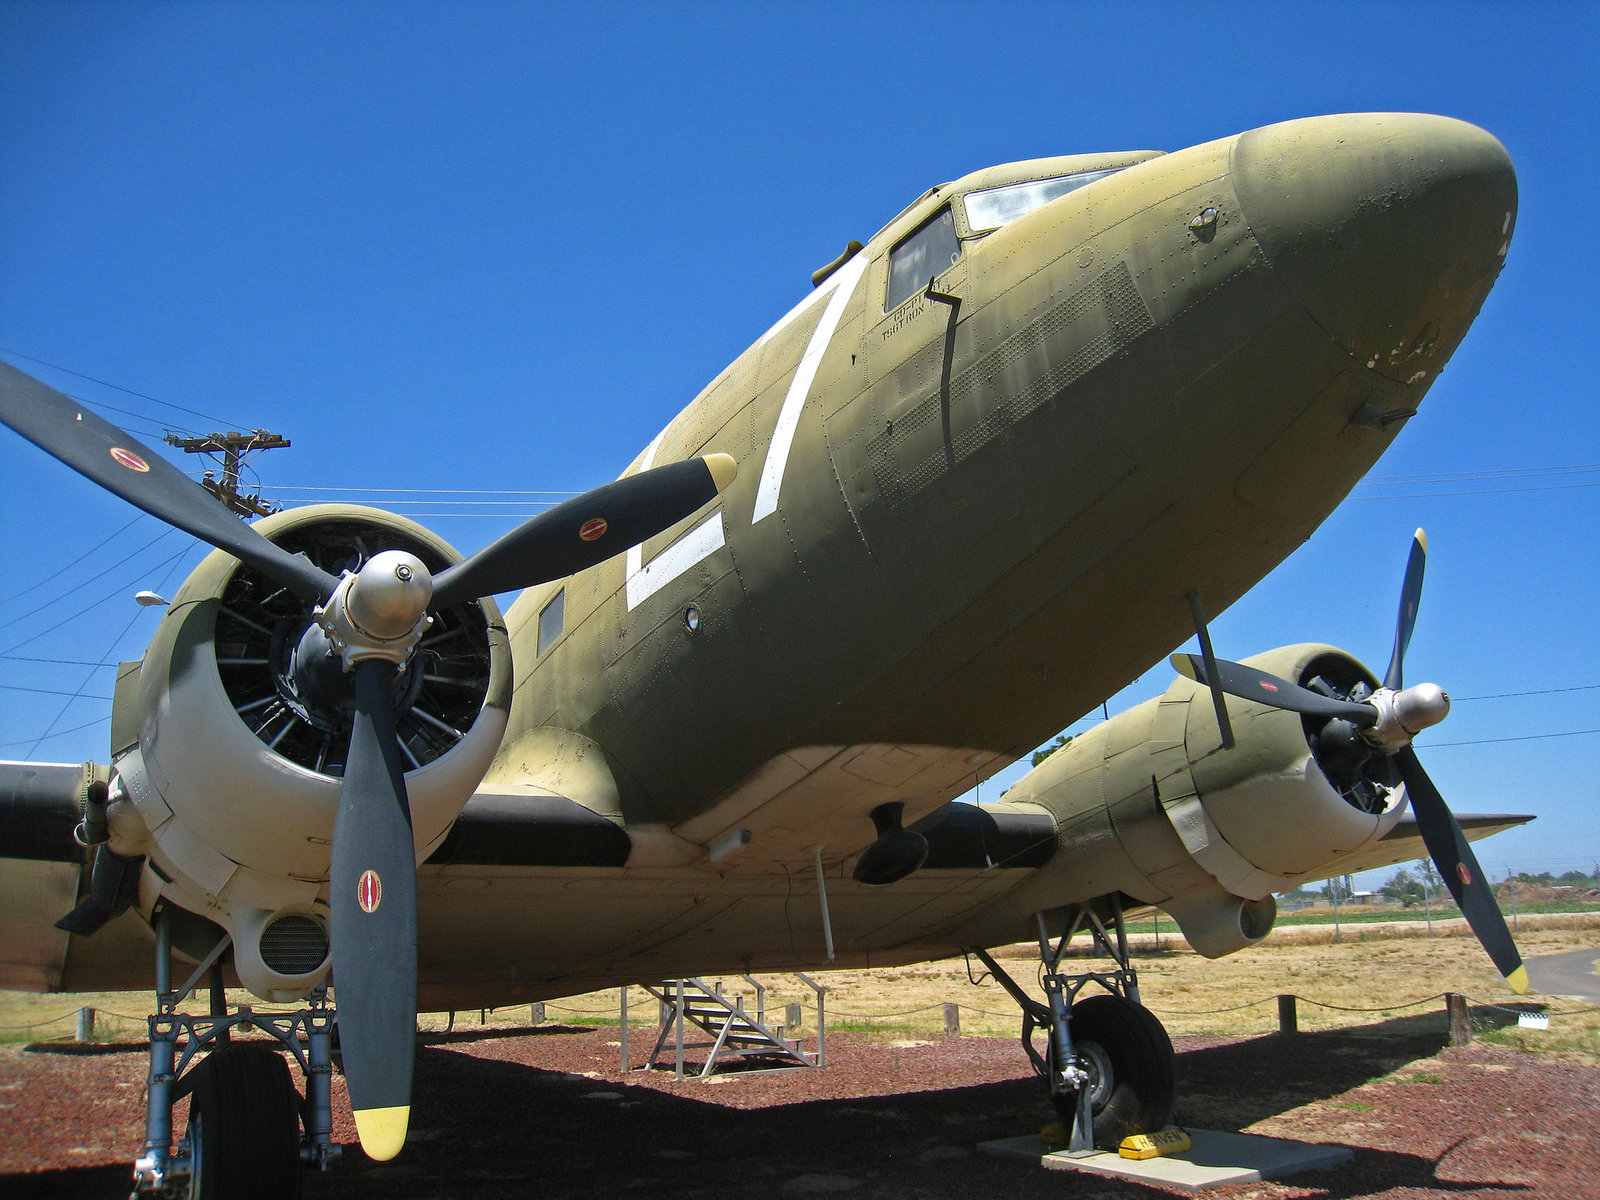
(1570, 974)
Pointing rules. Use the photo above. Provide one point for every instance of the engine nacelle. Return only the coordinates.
(231, 747)
(1149, 803)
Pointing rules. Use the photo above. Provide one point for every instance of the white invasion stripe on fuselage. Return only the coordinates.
(702, 541)
(645, 580)
(800, 386)
(826, 288)
(636, 551)
(699, 543)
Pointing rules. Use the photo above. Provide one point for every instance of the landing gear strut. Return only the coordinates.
(243, 1141)
(1110, 1064)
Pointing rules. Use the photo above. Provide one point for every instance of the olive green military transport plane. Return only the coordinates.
(1002, 458)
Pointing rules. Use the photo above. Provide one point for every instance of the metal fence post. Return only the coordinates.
(623, 1030)
(679, 1022)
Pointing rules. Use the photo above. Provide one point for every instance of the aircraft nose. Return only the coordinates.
(1390, 228)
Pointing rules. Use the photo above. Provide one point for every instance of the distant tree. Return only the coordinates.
(1404, 887)
(1428, 875)
(1040, 755)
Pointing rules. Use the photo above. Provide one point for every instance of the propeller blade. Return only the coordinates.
(587, 529)
(94, 447)
(1250, 684)
(1410, 598)
(1458, 866)
(373, 885)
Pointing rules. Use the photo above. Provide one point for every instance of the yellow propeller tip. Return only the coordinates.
(1518, 980)
(382, 1130)
(1183, 665)
(723, 469)
(1422, 540)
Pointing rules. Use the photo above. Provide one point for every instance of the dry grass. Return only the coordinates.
(1386, 974)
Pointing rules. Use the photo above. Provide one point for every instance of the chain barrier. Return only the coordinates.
(848, 1016)
(39, 1024)
(1211, 1012)
(1380, 1009)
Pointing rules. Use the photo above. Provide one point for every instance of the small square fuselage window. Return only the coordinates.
(929, 252)
(550, 620)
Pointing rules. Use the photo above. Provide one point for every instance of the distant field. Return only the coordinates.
(1378, 974)
(1364, 914)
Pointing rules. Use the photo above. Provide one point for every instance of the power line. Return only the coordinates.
(1530, 737)
(58, 733)
(1498, 473)
(1582, 687)
(118, 387)
(121, 589)
(1501, 473)
(12, 687)
(90, 675)
(161, 426)
(1555, 487)
(60, 662)
(160, 537)
(137, 517)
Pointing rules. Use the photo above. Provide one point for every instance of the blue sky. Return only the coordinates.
(496, 246)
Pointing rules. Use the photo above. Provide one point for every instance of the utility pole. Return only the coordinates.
(234, 448)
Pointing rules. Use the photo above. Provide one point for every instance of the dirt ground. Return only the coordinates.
(547, 1113)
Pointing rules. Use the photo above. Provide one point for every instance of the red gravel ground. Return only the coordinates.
(547, 1114)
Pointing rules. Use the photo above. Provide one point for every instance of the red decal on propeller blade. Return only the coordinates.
(593, 529)
(1466, 875)
(369, 892)
(1268, 687)
(129, 459)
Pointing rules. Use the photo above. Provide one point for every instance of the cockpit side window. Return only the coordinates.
(994, 207)
(928, 252)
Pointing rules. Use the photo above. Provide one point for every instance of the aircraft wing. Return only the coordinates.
(1404, 844)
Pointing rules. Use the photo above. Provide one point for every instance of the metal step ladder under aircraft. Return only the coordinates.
(734, 1032)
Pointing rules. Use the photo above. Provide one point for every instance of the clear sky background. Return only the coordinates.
(493, 248)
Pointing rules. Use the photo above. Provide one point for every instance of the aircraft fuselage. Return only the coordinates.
(983, 508)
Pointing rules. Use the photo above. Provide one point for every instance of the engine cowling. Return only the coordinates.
(229, 739)
(1150, 804)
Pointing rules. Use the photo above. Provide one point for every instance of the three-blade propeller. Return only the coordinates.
(372, 872)
(1392, 716)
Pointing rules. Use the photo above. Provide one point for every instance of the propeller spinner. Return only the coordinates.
(1384, 723)
(371, 619)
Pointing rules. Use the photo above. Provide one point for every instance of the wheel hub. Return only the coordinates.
(1096, 1064)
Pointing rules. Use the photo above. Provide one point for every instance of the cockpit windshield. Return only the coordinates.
(994, 207)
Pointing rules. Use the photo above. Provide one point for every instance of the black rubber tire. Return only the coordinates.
(1125, 1038)
(244, 1126)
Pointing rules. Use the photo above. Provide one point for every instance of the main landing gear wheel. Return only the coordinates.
(244, 1127)
(1133, 1078)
